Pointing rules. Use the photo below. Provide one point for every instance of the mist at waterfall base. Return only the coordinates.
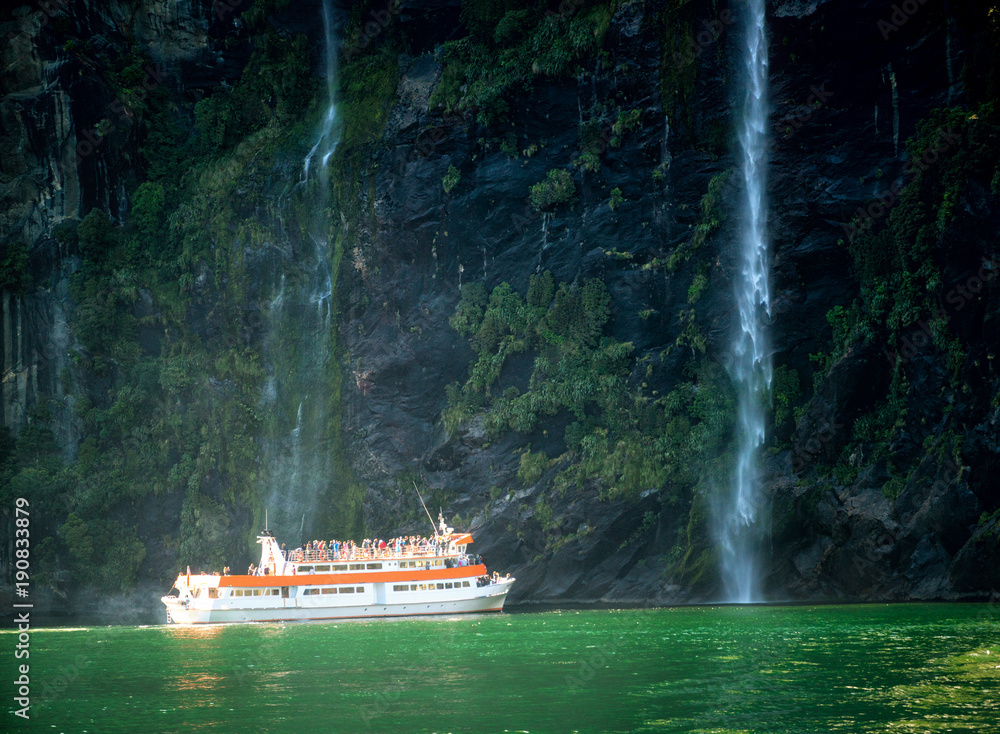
(738, 516)
(299, 337)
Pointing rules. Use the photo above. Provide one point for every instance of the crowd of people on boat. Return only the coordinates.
(348, 550)
(495, 578)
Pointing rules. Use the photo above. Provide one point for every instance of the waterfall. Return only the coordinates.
(739, 524)
(299, 341)
(327, 139)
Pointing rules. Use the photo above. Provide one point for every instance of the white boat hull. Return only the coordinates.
(294, 610)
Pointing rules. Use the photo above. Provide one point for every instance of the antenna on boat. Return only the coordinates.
(265, 518)
(425, 508)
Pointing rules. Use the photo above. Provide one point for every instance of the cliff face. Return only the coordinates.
(849, 89)
(69, 134)
(483, 147)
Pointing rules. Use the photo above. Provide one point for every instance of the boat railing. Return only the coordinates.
(367, 554)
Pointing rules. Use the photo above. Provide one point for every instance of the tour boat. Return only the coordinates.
(320, 584)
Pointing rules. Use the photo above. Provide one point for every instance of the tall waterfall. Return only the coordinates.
(327, 139)
(739, 521)
(300, 393)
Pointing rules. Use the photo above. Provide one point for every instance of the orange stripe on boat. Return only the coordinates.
(318, 579)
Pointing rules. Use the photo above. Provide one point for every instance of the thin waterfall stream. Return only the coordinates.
(327, 138)
(299, 322)
(739, 519)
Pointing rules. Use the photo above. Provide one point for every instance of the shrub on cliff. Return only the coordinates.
(557, 188)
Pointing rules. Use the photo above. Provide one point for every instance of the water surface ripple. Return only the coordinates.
(871, 668)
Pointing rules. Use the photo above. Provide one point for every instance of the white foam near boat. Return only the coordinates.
(443, 579)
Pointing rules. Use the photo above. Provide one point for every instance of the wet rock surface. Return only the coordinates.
(845, 99)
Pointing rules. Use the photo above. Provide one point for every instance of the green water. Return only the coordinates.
(874, 668)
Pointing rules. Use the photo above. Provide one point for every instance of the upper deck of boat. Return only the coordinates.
(425, 553)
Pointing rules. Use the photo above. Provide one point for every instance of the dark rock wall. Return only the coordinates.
(850, 81)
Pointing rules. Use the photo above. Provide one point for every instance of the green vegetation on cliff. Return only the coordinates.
(617, 436)
(510, 44)
(167, 383)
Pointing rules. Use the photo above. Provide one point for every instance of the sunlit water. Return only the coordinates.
(739, 521)
(899, 668)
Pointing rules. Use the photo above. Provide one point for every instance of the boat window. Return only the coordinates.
(329, 591)
(346, 589)
(213, 593)
(465, 583)
(359, 589)
(322, 569)
(447, 586)
(310, 592)
(357, 567)
(374, 565)
(439, 562)
(413, 587)
(440, 586)
(400, 587)
(340, 568)
(275, 592)
(305, 569)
